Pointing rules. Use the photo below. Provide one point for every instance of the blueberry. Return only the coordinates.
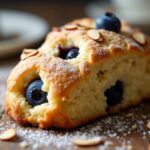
(114, 94)
(108, 21)
(34, 94)
(73, 53)
(69, 53)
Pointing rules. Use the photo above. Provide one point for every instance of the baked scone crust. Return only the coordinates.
(68, 82)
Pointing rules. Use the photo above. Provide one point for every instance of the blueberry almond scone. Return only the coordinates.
(84, 70)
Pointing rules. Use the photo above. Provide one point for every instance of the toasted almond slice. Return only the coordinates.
(101, 38)
(71, 27)
(80, 26)
(9, 134)
(28, 53)
(148, 125)
(139, 38)
(134, 46)
(93, 34)
(89, 142)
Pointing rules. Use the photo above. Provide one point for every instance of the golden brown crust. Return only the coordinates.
(61, 77)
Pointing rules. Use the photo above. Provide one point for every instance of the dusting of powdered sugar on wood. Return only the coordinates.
(109, 128)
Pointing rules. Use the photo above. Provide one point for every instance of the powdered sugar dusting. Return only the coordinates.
(115, 128)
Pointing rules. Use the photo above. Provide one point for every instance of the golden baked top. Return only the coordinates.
(93, 43)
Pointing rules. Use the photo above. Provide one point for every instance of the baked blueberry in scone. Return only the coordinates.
(84, 70)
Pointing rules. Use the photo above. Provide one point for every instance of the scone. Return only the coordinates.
(84, 70)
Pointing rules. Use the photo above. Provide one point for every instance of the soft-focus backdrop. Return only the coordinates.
(57, 12)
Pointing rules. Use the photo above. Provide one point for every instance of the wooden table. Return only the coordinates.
(124, 131)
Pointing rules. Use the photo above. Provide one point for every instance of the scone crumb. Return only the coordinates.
(129, 147)
(28, 53)
(89, 142)
(129, 115)
(8, 134)
(95, 35)
(24, 144)
(139, 38)
(148, 124)
(134, 126)
(129, 132)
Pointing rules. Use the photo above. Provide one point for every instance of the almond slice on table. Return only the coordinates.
(8, 134)
(139, 38)
(95, 35)
(89, 142)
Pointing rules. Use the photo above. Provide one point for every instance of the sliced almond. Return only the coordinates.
(80, 26)
(9, 134)
(71, 27)
(148, 125)
(28, 53)
(134, 46)
(95, 35)
(139, 38)
(89, 142)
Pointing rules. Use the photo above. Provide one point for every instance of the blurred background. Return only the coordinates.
(25, 23)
